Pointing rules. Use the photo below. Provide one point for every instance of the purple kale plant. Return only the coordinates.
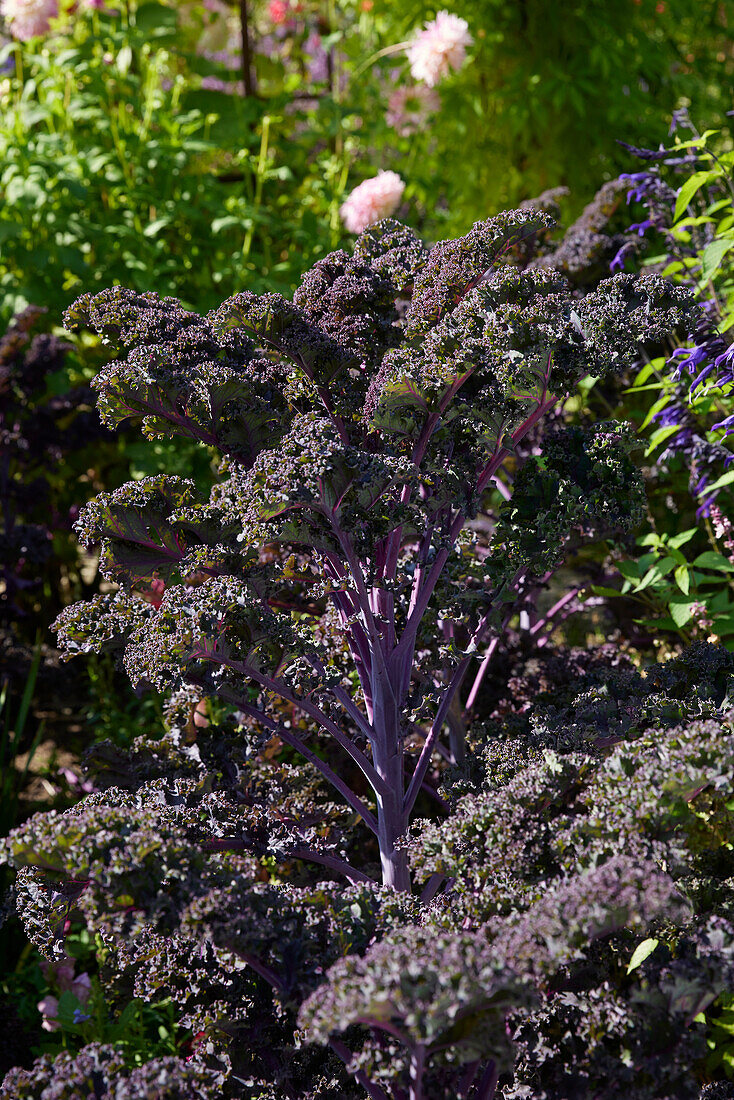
(386, 506)
(357, 443)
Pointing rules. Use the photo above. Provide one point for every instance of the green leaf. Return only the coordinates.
(711, 560)
(601, 590)
(659, 436)
(683, 579)
(654, 409)
(680, 611)
(697, 142)
(663, 623)
(693, 184)
(643, 375)
(651, 539)
(124, 60)
(153, 227)
(587, 384)
(655, 573)
(68, 1006)
(676, 555)
(229, 221)
(713, 254)
(154, 18)
(629, 569)
(725, 479)
(684, 537)
(640, 953)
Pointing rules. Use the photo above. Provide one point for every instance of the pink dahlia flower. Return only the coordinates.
(29, 18)
(279, 11)
(372, 200)
(439, 48)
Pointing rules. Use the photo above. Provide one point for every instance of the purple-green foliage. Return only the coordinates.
(363, 444)
(100, 1071)
(360, 427)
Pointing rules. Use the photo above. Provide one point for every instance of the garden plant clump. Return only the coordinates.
(329, 874)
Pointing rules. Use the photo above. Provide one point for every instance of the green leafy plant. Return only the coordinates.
(688, 424)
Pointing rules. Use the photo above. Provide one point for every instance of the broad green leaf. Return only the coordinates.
(587, 383)
(629, 569)
(683, 579)
(663, 623)
(640, 953)
(711, 560)
(654, 409)
(696, 143)
(725, 479)
(680, 540)
(713, 254)
(655, 573)
(659, 437)
(680, 612)
(643, 375)
(67, 1007)
(153, 17)
(601, 590)
(693, 184)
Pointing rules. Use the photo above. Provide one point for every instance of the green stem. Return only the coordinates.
(259, 179)
(18, 63)
(386, 52)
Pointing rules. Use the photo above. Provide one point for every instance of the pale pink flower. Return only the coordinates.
(409, 108)
(372, 200)
(81, 987)
(62, 974)
(49, 1009)
(29, 18)
(439, 48)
